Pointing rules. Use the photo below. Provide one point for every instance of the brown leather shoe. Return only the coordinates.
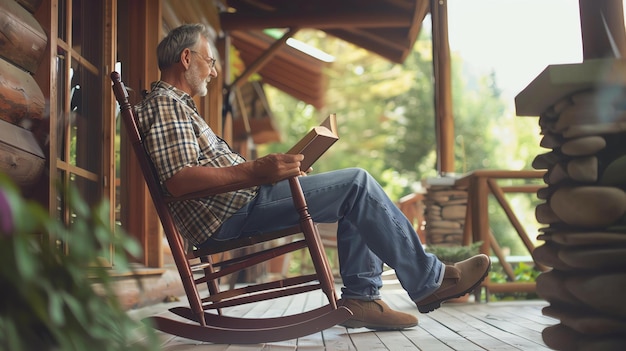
(375, 315)
(458, 280)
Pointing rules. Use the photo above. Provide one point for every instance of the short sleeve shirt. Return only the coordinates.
(175, 136)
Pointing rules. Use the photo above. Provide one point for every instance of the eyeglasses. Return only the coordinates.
(210, 60)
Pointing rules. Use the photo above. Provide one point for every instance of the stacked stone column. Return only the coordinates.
(584, 218)
(445, 207)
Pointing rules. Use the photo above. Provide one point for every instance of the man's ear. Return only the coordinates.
(185, 58)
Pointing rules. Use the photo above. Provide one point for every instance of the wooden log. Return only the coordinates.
(22, 40)
(21, 100)
(444, 117)
(21, 157)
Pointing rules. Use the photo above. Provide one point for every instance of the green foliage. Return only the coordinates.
(386, 121)
(49, 301)
(524, 273)
(359, 85)
(502, 228)
(303, 264)
(386, 117)
(453, 254)
(411, 144)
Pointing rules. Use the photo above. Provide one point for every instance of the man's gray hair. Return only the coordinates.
(177, 40)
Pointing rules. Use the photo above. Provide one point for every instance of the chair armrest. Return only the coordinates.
(210, 192)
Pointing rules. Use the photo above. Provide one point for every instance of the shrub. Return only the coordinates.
(524, 273)
(455, 253)
(49, 302)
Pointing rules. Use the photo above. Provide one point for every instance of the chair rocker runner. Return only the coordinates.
(197, 267)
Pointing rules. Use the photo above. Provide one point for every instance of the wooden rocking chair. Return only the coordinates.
(197, 267)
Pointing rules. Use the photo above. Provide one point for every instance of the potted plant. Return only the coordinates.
(451, 254)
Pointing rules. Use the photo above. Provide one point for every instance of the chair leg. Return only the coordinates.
(212, 284)
(314, 243)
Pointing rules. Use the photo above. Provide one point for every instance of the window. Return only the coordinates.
(82, 111)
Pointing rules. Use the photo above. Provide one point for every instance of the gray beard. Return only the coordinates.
(198, 85)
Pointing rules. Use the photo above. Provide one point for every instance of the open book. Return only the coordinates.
(316, 142)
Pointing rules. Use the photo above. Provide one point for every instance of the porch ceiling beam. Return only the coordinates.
(319, 20)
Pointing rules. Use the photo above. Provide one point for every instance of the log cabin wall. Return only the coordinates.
(22, 45)
(57, 117)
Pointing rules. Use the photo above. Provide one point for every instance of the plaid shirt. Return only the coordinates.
(175, 136)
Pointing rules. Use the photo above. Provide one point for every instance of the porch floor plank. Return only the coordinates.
(506, 326)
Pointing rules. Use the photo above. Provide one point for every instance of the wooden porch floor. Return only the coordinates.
(515, 325)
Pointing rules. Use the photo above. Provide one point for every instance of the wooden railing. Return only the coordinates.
(480, 185)
(412, 206)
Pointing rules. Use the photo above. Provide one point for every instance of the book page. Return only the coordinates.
(331, 123)
(316, 142)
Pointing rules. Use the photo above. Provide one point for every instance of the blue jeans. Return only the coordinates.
(371, 230)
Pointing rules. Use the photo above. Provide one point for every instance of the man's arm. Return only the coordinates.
(264, 170)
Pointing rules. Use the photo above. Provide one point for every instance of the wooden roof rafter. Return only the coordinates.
(388, 28)
(318, 20)
(264, 58)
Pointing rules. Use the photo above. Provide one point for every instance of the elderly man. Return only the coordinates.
(190, 157)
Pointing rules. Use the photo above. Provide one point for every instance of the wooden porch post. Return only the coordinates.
(444, 121)
(602, 29)
(140, 28)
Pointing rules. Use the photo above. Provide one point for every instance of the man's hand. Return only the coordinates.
(275, 167)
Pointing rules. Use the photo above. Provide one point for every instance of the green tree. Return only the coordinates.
(359, 85)
(411, 144)
(387, 124)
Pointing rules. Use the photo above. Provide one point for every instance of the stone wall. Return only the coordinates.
(444, 206)
(584, 208)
